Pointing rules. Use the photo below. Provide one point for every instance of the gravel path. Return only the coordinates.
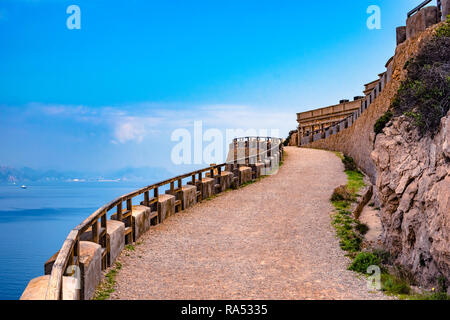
(269, 240)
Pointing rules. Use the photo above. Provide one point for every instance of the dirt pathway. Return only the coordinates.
(269, 240)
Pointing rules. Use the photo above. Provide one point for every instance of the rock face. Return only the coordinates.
(413, 183)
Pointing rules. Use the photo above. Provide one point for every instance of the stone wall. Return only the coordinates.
(358, 140)
(445, 9)
(423, 19)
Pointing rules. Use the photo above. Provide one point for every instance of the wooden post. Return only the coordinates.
(147, 198)
(235, 144)
(247, 151)
(95, 231)
(258, 157)
(129, 219)
(119, 212)
(76, 252)
(103, 240)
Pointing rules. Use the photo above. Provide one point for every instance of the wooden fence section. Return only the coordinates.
(94, 228)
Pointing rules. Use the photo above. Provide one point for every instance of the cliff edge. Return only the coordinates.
(412, 160)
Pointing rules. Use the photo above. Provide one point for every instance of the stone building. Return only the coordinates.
(319, 120)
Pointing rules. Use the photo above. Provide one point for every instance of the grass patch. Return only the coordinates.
(349, 163)
(130, 247)
(339, 155)
(349, 239)
(364, 260)
(348, 230)
(105, 288)
(431, 296)
(393, 285)
(355, 181)
(398, 285)
(212, 197)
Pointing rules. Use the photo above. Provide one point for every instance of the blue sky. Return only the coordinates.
(109, 95)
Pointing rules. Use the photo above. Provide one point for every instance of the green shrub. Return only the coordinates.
(424, 96)
(442, 284)
(394, 285)
(444, 31)
(349, 163)
(380, 124)
(383, 256)
(363, 261)
(288, 139)
(351, 243)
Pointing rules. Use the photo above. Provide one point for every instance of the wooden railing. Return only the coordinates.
(69, 254)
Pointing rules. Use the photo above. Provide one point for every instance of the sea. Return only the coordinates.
(35, 221)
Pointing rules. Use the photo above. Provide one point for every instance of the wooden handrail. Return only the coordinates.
(69, 253)
(54, 289)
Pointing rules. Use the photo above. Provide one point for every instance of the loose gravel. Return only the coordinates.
(270, 240)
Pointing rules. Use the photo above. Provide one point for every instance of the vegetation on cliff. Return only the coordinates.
(382, 121)
(424, 96)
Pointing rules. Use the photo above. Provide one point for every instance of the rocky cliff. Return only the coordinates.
(413, 184)
(412, 160)
(410, 170)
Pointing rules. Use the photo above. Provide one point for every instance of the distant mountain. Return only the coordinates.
(10, 174)
(140, 174)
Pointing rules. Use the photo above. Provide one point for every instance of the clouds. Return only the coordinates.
(135, 129)
(135, 123)
(83, 137)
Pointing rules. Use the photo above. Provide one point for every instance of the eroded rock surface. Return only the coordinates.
(413, 185)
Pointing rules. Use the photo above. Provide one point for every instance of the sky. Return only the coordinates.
(111, 94)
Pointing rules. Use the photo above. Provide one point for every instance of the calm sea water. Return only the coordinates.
(35, 222)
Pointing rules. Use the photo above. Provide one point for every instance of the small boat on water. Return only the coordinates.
(23, 186)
